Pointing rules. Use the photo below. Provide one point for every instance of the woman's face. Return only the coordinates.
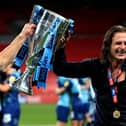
(118, 46)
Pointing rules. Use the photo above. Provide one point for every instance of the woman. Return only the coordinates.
(108, 75)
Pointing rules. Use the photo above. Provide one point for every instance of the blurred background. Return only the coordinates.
(92, 19)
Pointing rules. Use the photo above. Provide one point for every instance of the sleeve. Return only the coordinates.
(84, 68)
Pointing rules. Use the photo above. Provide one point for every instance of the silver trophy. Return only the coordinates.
(49, 31)
(23, 84)
(24, 52)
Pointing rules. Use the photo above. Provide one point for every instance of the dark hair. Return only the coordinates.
(107, 41)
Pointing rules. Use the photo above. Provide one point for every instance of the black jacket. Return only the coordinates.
(98, 73)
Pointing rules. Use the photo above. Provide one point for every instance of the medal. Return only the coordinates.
(116, 114)
(114, 91)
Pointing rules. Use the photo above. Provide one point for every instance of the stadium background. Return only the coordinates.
(92, 19)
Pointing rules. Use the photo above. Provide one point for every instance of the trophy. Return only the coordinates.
(24, 51)
(52, 27)
(23, 84)
(48, 33)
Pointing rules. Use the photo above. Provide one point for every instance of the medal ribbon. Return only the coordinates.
(114, 89)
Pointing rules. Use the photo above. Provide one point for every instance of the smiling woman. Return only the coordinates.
(107, 73)
(118, 47)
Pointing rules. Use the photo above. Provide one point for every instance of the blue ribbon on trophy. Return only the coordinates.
(70, 31)
(23, 52)
(53, 36)
(44, 62)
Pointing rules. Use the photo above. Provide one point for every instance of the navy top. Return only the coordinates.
(98, 73)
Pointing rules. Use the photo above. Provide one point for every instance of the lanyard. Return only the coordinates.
(114, 88)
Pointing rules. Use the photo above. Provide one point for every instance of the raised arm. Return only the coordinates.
(7, 55)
